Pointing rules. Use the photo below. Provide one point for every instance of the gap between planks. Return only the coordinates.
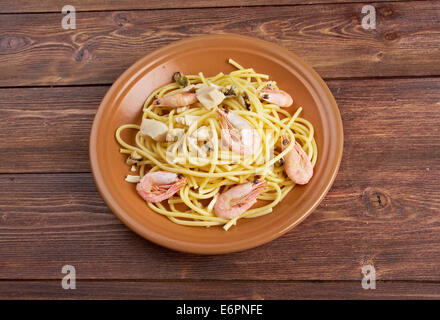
(244, 281)
(105, 84)
(216, 7)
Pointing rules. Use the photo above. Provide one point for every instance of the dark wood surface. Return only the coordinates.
(383, 208)
(237, 290)
(11, 6)
(36, 51)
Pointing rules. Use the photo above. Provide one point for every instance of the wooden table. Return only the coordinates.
(383, 209)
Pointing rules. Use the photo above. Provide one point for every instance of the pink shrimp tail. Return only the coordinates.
(297, 164)
(176, 100)
(278, 97)
(307, 167)
(144, 189)
(231, 208)
(234, 142)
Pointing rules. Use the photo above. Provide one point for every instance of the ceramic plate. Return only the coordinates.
(209, 54)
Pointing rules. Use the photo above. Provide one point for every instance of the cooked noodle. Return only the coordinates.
(221, 169)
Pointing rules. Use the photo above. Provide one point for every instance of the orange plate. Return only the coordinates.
(209, 54)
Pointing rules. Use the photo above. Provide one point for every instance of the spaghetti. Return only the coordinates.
(220, 168)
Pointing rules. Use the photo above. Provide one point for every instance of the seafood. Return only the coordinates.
(238, 133)
(160, 185)
(244, 101)
(176, 100)
(238, 199)
(297, 164)
(156, 130)
(210, 96)
(180, 79)
(278, 97)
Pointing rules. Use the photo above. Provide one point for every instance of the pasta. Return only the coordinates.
(210, 167)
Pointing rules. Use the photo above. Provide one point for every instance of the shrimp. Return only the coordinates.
(238, 199)
(238, 133)
(278, 97)
(176, 100)
(160, 185)
(297, 164)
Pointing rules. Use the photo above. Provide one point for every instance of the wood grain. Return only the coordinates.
(386, 117)
(11, 6)
(196, 290)
(47, 128)
(385, 198)
(389, 220)
(35, 50)
(382, 210)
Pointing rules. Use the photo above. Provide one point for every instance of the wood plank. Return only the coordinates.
(35, 50)
(389, 220)
(48, 133)
(23, 6)
(383, 208)
(233, 290)
(43, 129)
